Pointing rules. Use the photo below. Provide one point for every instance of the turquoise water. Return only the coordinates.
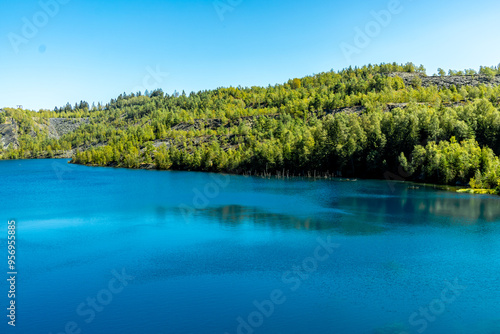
(222, 254)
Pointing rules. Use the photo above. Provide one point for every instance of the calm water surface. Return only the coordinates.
(222, 254)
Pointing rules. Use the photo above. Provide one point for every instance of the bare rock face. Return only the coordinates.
(8, 135)
(58, 127)
(447, 81)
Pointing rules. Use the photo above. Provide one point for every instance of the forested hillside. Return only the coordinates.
(383, 121)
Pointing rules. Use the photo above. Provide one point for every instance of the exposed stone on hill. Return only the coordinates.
(348, 110)
(447, 81)
(8, 135)
(58, 127)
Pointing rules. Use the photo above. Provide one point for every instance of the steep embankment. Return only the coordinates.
(58, 127)
(55, 129)
(8, 135)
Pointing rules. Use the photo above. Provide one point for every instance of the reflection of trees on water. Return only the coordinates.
(415, 205)
(370, 210)
(235, 215)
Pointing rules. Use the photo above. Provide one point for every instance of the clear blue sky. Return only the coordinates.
(94, 50)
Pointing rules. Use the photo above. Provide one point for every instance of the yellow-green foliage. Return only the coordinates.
(294, 127)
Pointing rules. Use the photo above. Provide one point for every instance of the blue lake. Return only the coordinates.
(102, 250)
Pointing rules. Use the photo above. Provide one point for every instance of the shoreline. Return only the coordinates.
(265, 175)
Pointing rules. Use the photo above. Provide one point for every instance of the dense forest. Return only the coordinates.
(379, 121)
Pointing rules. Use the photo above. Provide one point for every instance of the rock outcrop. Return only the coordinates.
(8, 135)
(58, 127)
(447, 81)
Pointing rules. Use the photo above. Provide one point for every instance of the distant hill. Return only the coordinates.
(378, 121)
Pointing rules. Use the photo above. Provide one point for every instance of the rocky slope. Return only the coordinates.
(8, 135)
(56, 128)
(447, 81)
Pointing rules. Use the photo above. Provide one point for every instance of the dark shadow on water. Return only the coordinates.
(238, 215)
(421, 205)
(161, 213)
(361, 208)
